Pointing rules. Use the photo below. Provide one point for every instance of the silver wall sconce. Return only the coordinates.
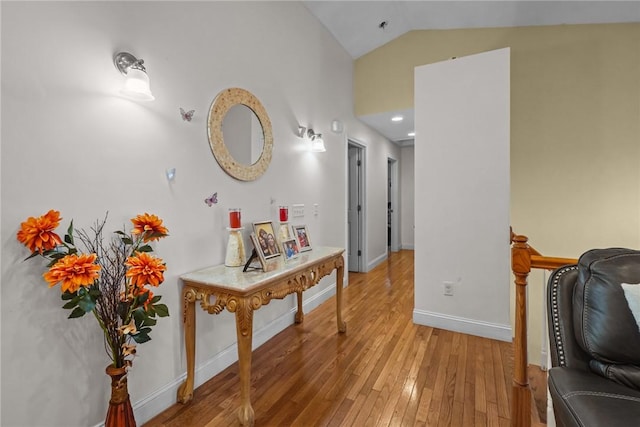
(317, 143)
(170, 174)
(136, 84)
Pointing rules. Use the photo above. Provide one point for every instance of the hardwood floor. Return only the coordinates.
(385, 371)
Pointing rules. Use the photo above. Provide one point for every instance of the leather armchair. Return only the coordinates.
(595, 341)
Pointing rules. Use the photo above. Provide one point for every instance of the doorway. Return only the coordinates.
(393, 244)
(355, 206)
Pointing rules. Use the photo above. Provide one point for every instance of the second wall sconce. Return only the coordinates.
(317, 143)
(136, 85)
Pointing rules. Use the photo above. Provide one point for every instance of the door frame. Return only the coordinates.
(393, 197)
(361, 266)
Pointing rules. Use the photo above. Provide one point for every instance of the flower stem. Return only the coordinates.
(114, 352)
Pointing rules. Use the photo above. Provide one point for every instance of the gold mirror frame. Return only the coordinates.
(219, 108)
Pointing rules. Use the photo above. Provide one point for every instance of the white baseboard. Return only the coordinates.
(407, 247)
(543, 360)
(460, 324)
(161, 399)
(373, 264)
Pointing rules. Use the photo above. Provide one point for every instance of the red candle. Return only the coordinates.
(234, 218)
(284, 214)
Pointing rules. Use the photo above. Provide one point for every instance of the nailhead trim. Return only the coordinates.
(554, 312)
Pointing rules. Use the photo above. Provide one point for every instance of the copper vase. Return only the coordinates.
(120, 413)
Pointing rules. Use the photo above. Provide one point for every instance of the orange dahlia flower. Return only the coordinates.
(145, 269)
(37, 233)
(73, 271)
(150, 226)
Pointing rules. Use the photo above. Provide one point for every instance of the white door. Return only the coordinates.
(355, 206)
(392, 206)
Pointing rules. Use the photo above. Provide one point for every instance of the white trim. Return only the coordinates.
(393, 166)
(545, 331)
(373, 264)
(363, 213)
(407, 247)
(551, 416)
(161, 399)
(460, 324)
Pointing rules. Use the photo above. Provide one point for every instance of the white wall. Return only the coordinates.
(407, 188)
(70, 143)
(462, 200)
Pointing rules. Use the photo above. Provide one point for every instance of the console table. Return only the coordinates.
(244, 292)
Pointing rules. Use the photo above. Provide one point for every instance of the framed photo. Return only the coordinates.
(290, 249)
(256, 252)
(267, 243)
(301, 234)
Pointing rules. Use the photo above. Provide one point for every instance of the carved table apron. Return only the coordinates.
(242, 294)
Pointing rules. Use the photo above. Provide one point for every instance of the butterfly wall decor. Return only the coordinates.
(212, 200)
(188, 115)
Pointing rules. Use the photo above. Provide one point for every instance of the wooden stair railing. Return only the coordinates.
(523, 259)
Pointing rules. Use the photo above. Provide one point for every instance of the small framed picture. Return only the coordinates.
(301, 234)
(290, 249)
(257, 252)
(266, 239)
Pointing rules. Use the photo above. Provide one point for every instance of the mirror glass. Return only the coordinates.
(242, 134)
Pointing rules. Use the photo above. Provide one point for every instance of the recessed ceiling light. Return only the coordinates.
(411, 134)
(397, 118)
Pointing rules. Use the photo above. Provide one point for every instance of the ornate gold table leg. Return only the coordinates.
(185, 391)
(299, 313)
(342, 326)
(244, 331)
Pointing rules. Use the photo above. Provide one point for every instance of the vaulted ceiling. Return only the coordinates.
(362, 26)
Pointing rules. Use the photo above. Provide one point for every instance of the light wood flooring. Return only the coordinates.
(385, 371)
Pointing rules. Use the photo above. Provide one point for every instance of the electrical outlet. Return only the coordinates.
(297, 210)
(448, 288)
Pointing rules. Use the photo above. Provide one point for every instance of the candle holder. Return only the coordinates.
(284, 213)
(235, 248)
(234, 218)
(283, 232)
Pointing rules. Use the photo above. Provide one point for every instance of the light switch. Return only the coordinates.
(297, 210)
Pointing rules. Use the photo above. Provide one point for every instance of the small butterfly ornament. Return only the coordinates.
(212, 200)
(186, 115)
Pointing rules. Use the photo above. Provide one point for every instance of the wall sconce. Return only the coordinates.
(136, 85)
(317, 143)
(170, 173)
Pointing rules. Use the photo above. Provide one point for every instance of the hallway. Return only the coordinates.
(384, 371)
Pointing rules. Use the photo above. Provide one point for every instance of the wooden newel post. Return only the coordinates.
(521, 402)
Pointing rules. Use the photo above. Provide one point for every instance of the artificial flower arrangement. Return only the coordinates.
(109, 279)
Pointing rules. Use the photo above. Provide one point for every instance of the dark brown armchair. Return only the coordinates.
(595, 340)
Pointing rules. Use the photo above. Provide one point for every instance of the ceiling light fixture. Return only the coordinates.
(136, 85)
(411, 134)
(397, 118)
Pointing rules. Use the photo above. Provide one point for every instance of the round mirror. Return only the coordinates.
(243, 135)
(240, 134)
